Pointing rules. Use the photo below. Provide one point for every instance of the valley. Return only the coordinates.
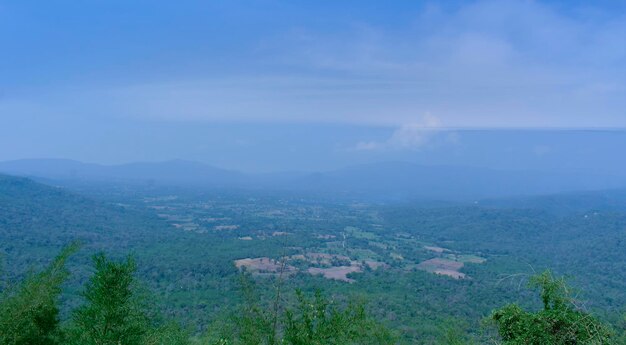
(446, 261)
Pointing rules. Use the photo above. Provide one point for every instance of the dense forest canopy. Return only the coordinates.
(416, 268)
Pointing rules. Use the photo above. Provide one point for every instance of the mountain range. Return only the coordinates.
(383, 181)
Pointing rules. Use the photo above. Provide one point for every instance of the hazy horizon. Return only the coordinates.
(310, 149)
(275, 86)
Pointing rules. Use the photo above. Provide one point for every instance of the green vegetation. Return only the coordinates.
(558, 323)
(317, 321)
(29, 312)
(192, 279)
(113, 313)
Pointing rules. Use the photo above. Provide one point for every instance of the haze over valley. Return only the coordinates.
(312, 173)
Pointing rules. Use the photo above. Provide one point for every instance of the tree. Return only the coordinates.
(453, 333)
(169, 334)
(253, 324)
(29, 312)
(558, 323)
(112, 314)
(312, 321)
(319, 322)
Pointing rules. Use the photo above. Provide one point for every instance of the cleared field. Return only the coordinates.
(474, 259)
(322, 258)
(358, 233)
(442, 266)
(343, 265)
(336, 273)
(263, 265)
(436, 249)
(376, 264)
(225, 227)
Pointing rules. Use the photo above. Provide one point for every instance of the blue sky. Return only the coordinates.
(83, 79)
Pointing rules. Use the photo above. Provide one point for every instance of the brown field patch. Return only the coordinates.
(297, 257)
(436, 249)
(474, 259)
(225, 227)
(442, 266)
(263, 265)
(213, 219)
(336, 273)
(376, 264)
(396, 256)
(186, 226)
(450, 273)
(324, 258)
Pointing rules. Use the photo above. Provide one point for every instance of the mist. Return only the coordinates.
(277, 88)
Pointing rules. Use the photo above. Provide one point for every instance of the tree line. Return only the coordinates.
(115, 312)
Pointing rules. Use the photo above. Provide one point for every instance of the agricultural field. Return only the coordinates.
(447, 262)
(336, 252)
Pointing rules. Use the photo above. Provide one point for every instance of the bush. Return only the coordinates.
(29, 313)
(558, 323)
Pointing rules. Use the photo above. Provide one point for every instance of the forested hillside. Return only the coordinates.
(37, 220)
(423, 271)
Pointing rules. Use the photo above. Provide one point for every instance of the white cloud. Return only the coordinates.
(485, 63)
(412, 136)
(480, 64)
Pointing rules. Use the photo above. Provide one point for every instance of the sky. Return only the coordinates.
(300, 85)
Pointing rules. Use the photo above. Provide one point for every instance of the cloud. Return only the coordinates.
(482, 64)
(412, 136)
(478, 64)
(485, 63)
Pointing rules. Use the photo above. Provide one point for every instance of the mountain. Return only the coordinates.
(175, 172)
(613, 200)
(36, 220)
(401, 180)
(29, 208)
(380, 181)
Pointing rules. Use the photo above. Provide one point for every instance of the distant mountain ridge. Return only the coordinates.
(384, 181)
(178, 172)
(408, 180)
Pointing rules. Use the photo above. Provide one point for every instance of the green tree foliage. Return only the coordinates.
(255, 325)
(311, 321)
(169, 334)
(622, 326)
(558, 323)
(115, 313)
(112, 313)
(29, 312)
(317, 321)
(453, 333)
